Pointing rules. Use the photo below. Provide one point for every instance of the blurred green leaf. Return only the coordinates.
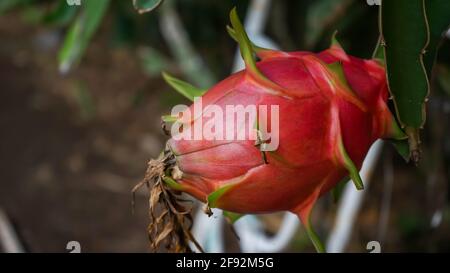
(179, 42)
(411, 224)
(80, 33)
(321, 15)
(153, 61)
(6, 5)
(123, 28)
(61, 14)
(143, 6)
(85, 101)
(32, 14)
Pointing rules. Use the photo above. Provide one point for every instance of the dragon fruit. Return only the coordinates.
(332, 107)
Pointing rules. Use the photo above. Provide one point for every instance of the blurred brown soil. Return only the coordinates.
(72, 147)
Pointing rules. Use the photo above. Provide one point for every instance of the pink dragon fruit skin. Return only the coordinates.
(332, 107)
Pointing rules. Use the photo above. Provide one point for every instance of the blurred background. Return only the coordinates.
(81, 96)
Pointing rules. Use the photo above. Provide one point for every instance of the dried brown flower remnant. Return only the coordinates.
(170, 218)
